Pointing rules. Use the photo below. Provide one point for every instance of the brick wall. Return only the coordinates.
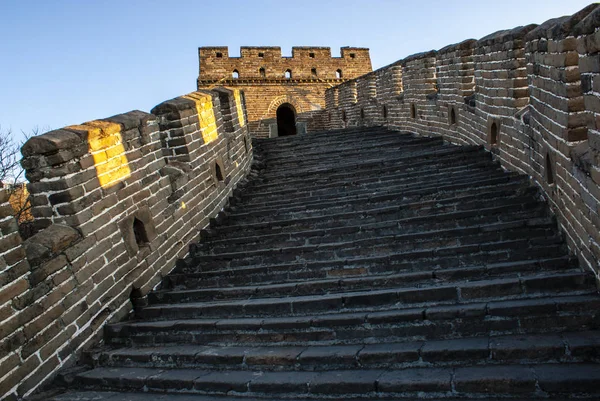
(261, 75)
(117, 201)
(530, 95)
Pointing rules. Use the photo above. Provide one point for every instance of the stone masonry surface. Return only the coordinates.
(261, 74)
(117, 201)
(530, 95)
(375, 260)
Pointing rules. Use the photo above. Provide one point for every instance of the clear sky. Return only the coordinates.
(70, 61)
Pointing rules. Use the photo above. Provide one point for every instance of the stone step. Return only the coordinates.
(355, 280)
(366, 300)
(364, 231)
(508, 380)
(385, 252)
(289, 164)
(445, 267)
(336, 207)
(410, 215)
(141, 396)
(378, 176)
(401, 193)
(398, 323)
(376, 164)
(336, 149)
(529, 348)
(399, 181)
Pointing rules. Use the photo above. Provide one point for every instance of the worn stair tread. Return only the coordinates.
(498, 379)
(566, 347)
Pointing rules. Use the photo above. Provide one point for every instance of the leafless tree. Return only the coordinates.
(12, 175)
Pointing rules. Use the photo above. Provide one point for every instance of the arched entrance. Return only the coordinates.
(286, 120)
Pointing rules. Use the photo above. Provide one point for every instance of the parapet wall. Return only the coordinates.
(117, 201)
(530, 95)
(260, 63)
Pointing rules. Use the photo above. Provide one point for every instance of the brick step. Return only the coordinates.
(373, 181)
(191, 275)
(398, 323)
(369, 150)
(275, 145)
(238, 288)
(394, 162)
(210, 240)
(333, 149)
(410, 383)
(400, 192)
(484, 350)
(141, 396)
(453, 292)
(431, 155)
(400, 246)
(509, 188)
(404, 215)
(350, 250)
(378, 174)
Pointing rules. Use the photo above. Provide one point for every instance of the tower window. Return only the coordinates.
(262, 72)
(338, 74)
(219, 54)
(352, 55)
(235, 74)
(311, 55)
(313, 71)
(261, 55)
(288, 74)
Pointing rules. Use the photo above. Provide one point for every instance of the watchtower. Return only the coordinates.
(283, 95)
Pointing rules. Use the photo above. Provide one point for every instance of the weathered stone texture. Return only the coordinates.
(530, 95)
(261, 74)
(117, 202)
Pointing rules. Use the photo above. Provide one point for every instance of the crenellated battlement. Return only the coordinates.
(267, 63)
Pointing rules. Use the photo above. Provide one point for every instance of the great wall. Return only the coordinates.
(140, 214)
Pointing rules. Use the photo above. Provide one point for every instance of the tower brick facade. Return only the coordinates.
(295, 85)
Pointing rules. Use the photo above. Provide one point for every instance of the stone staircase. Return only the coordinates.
(363, 263)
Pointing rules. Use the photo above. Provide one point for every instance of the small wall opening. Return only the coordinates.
(288, 74)
(385, 112)
(313, 71)
(219, 55)
(311, 55)
(494, 134)
(549, 170)
(413, 111)
(218, 172)
(139, 231)
(262, 72)
(344, 118)
(246, 145)
(338, 74)
(235, 74)
(452, 116)
(261, 55)
(352, 55)
(362, 114)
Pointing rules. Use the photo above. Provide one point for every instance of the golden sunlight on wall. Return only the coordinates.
(206, 115)
(238, 105)
(106, 146)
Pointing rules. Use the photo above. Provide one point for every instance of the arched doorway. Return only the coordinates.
(286, 120)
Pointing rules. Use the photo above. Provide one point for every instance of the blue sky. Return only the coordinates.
(69, 61)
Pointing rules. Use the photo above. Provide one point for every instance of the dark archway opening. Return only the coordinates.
(286, 120)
